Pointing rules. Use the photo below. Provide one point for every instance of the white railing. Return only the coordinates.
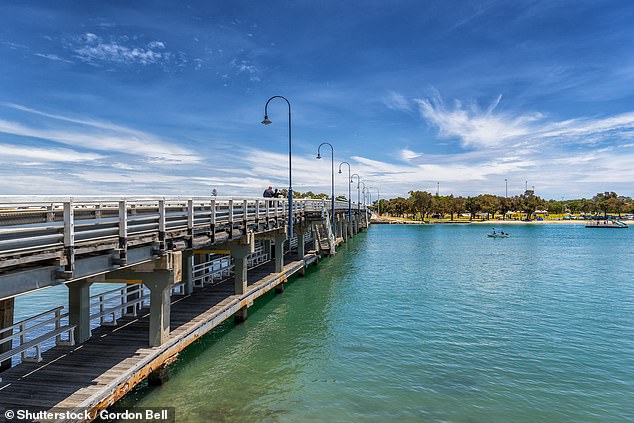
(29, 226)
(31, 333)
(111, 305)
(221, 267)
(212, 271)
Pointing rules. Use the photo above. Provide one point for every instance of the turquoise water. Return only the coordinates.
(434, 323)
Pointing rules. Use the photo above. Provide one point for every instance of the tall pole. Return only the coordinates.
(363, 192)
(266, 121)
(378, 200)
(526, 186)
(358, 192)
(332, 177)
(349, 190)
(506, 188)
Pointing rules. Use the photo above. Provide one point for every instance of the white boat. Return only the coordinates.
(496, 234)
(608, 223)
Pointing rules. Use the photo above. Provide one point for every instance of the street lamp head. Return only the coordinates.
(266, 120)
(318, 156)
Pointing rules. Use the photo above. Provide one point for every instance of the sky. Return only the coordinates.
(166, 98)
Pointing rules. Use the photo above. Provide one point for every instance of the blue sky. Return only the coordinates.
(144, 97)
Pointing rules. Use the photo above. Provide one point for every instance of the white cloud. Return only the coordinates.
(246, 67)
(478, 129)
(102, 136)
(53, 57)
(474, 127)
(93, 49)
(396, 101)
(46, 154)
(409, 155)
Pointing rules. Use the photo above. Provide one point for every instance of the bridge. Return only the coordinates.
(179, 267)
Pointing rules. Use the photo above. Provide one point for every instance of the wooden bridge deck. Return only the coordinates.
(98, 372)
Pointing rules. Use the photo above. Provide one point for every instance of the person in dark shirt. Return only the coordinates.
(268, 193)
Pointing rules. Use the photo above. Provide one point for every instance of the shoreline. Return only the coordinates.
(400, 221)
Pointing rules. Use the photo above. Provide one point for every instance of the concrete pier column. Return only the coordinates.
(279, 251)
(241, 315)
(240, 253)
(315, 237)
(188, 272)
(6, 320)
(301, 243)
(79, 309)
(159, 283)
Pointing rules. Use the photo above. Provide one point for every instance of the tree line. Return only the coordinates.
(422, 204)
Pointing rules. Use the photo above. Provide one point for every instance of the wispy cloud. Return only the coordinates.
(477, 128)
(473, 126)
(92, 49)
(42, 154)
(245, 67)
(396, 101)
(53, 57)
(101, 136)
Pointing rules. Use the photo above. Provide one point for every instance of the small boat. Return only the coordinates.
(608, 224)
(498, 234)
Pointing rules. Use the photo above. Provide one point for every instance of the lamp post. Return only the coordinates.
(363, 192)
(266, 121)
(349, 193)
(332, 176)
(358, 191)
(506, 188)
(378, 201)
(367, 196)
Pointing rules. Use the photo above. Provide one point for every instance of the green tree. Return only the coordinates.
(473, 206)
(420, 202)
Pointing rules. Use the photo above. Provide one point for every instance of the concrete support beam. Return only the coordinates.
(188, 272)
(315, 238)
(79, 309)
(159, 284)
(240, 250)
(301, 242)
(241, 315)
(6, 320)
(279, 251)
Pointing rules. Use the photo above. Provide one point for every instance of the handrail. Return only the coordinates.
(24, 331)
(57, 225)
(29, 320)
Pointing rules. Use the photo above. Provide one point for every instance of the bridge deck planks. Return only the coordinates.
(85, 374)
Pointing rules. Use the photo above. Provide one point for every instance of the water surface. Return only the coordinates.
(429, 323)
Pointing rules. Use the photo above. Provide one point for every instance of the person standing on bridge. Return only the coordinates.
(268, 193)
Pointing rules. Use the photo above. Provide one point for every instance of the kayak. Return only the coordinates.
(498, 235)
